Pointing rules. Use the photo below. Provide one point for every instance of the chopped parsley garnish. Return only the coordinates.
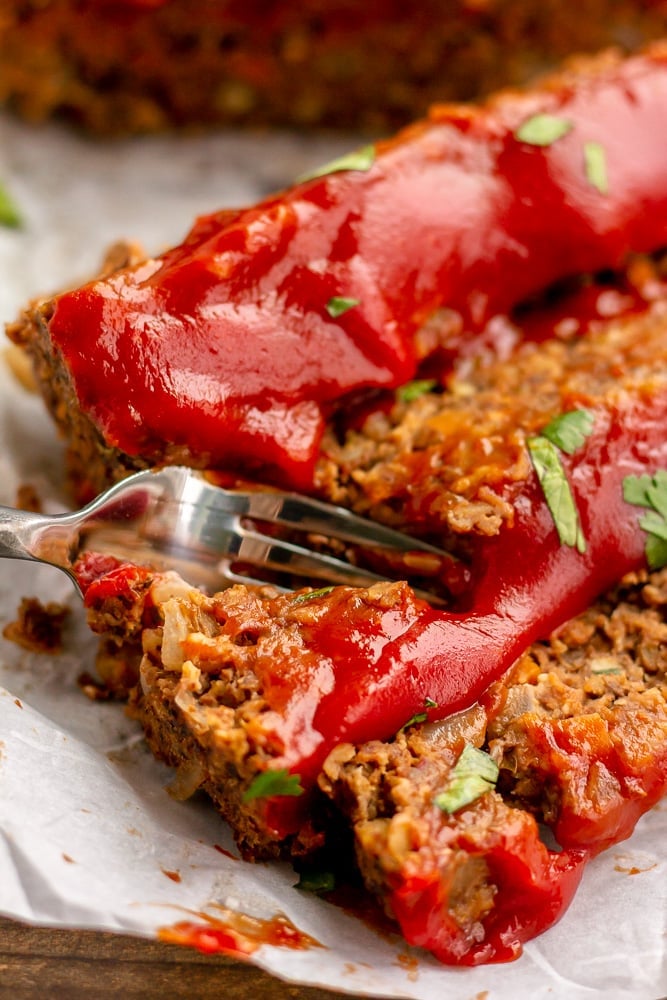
(569, 430)
(595, 162)
(419, 717)
(359, 159)
(474, 774)
(339, 304)
(651, 492)
(316, 881)
(557, 492)
(543, 130)
(413, 390)
(9, 213)
(269, 783)
(566, 432)
(310, 594)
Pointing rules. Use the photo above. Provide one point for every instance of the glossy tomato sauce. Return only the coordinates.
(235, 346)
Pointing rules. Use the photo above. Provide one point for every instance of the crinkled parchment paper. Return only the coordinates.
(88, 835)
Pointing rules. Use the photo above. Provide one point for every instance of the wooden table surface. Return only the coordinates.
(38, 963)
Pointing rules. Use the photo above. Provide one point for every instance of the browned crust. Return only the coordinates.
(92, 464)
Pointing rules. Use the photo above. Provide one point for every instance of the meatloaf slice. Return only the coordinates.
(578, 729)
(440, 461)
(213, 675)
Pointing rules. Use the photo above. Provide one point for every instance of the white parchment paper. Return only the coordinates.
(88, 835)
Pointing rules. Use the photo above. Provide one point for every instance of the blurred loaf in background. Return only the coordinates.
(133, 66)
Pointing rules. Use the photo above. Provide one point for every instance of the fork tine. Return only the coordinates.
(274, 554)
(176, 519)
(221, 529)
(307, 514)
(269, 553)
(221, 540)
(314, 516)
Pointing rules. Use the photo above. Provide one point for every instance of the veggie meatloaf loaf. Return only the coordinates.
(574, 734)
(455, 466)
(135, 66)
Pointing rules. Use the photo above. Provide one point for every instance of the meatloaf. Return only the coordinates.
(135, 66)
(576, 729)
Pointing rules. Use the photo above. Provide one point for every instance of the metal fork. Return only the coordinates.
(175, 519)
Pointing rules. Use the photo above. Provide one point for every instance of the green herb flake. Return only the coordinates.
(601, 667)
(474, 774)
(650, 492)
(557, 493)
(543, 130)
(9, 213)
(655, 524)
(316, 881)
(309, 595)
(339, 304)
(569, 430)
(419, 717)
(359, 159)
(656, 552)
(634, 490)
(413, 390)
(595, 164)
(270, 783)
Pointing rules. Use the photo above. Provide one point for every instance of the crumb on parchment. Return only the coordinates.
(38, 627)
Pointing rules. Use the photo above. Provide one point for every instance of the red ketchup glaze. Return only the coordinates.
(367, 676)
(103, 577)
(535, 887)
(224, 344)
(236, 934)
(636, 782)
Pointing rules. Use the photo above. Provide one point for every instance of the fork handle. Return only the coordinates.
(17, 531)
